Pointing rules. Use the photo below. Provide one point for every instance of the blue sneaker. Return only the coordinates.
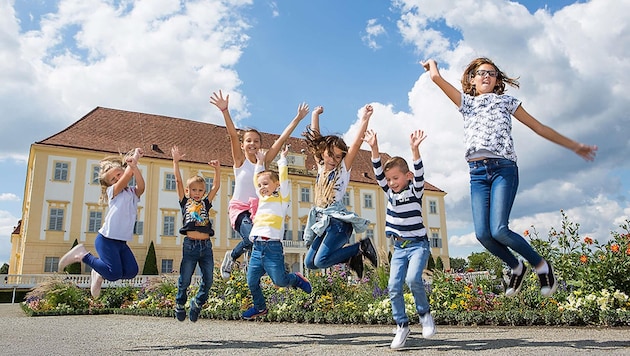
(252, 313)
(180, 312)
(193, 314)
(303, 283)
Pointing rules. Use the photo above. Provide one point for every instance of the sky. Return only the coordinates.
(61, 59)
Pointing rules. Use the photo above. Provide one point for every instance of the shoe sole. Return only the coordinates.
(404, 341)
(255, 316)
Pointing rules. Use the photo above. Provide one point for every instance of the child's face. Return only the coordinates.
(113, 175)
(332, 159)
(266, 186)
(397, 180)
(485, 83)
(196, 190)
(251, 143)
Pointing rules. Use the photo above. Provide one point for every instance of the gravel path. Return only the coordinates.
(122, 334)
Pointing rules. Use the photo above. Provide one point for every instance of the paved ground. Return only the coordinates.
(121, 334)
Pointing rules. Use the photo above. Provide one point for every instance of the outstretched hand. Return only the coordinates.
(585, 151)
(177, 156)
(416, 138)
(219, 101)
(370, 137)
(302, 110)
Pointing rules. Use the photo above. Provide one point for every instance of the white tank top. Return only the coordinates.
(244, 182)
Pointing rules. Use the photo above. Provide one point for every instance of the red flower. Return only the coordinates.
(614, 248)
(588, 240)
(628, 251)
(583, 259)
(526, 233)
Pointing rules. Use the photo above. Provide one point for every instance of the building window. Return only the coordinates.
(169, 182)
(432, 207)
(232, 187)
(301, 232)
(288, 234)
(132, 182)
(96, 170)
(138, 228)
(234, 234)
(167, 266)
(435, 240)
(55, 221)
(61, 171)
(95, 221)
(367, 201)
(305, 195)
(51, 264)
(168, 226)
(346, 199)
(209, 183)
(369, 233)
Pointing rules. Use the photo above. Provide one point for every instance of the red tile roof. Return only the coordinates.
(115, 131)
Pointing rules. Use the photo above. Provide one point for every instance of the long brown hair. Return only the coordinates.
(469, 73)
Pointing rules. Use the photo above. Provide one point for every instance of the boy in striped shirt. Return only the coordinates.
(404, 225)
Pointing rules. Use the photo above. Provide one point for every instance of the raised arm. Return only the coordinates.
(448, 89)
(133, 163)
(370, 139)
(358, 140)
(277, 145)
(415, 140)
(216, 182)
(315, 118)
(179, 183)
(585, 151)
(222, 103)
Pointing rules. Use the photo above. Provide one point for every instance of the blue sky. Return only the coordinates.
(61, 59)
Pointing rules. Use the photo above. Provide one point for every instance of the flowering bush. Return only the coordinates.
(593, 277)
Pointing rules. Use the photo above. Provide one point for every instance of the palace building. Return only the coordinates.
(61, 194)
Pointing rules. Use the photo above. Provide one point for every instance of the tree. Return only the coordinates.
(4, 269)
(73, 268)
(485, 261)
(458, 264)
(150, 263)
(439, 265)
(431, 263)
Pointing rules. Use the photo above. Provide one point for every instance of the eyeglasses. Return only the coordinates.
(483, 72)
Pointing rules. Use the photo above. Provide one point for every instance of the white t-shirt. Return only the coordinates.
(121, 214)
(243, 187)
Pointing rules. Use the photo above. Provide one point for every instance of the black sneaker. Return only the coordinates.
(367, 249)
(548, 282)
(356, 264)
(195, 309)
(180, 312)
(516, 282)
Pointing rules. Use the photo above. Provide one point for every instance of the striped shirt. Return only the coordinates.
(404, 208)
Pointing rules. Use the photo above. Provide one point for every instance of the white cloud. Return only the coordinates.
(7, 225)
(9, 197)
(373, 30)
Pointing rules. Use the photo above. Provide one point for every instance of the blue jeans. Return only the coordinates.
(327, 250)
(193, 252)
(243, 226)
(115, 261)
(407, 265)
(267, 256)
(493, 186)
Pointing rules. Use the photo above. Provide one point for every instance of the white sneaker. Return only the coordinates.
(75, 255)
(96, 283)
(402, 331)
(428, 325)
(226, 265)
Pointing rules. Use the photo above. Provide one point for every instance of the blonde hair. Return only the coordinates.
(271, 174)
(195, 179)
(107, 164)
(471, 70)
